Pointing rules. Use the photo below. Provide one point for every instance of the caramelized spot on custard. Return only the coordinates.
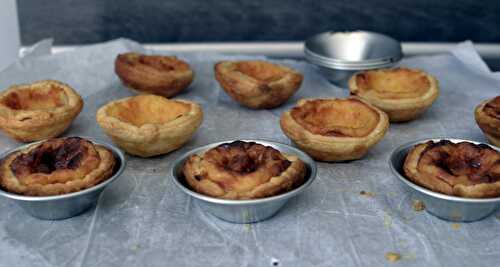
(261, 70)
(338, 117)
(36, 98)
(461, 163)
(492, 108)
(49, 157)
(246, 157)
(394, 83)
(148, 109)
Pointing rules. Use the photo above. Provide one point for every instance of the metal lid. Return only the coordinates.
(352, 50)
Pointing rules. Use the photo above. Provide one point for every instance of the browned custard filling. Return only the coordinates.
(394, 83)
(338, 117)
(243, 170)
(159, 63)
(144, 109)
(51, 156)
(261, 70)
(38, 98)
(492, 108)
(237, 159)
(461, 163)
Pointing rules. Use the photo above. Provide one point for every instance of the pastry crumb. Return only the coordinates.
(455, 226)
(135, 247)
(392, 256)
(366, 193)
(418, 205)
(387, 220)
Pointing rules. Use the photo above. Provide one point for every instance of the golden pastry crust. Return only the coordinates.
(487, 116)
(150, 125)
(56, 166)
(402, 93)
(161, 75)
(462, 169)
(335, 129)
(37, 111)
(257, 84)
(243, 170)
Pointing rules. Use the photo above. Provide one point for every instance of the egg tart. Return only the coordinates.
(243, 170)
(402, 93)
(257, 84)
(153, 74)
(488, 119)
(56, 166)
(459, 169)
(149, 125)
(37, 111)
(334, 129)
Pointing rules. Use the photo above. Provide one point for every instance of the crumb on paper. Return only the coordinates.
(366, 193)
(135, 247)
(248, 226)
(392, 256)
(497, 216)
(387, 220)
(418, 205)
(455, 226)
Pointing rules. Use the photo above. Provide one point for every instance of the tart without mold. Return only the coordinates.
(335, 129)
(56, 166)
(487, 116)
(243, 170)
(153, 74)
(37, 111)
(459, 169)
(150, 125)
(257, 84)
(402, 93)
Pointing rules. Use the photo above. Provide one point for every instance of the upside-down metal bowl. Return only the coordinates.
(67, 205)
(341, 54)
(243, 211)
(443, 206)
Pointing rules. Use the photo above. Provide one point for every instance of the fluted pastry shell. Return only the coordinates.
(487, 116)
(334, 129)
(403, 93)
(243, 170)
(153, 74)
(150, 125)
(463, 169)
(56, 166)
(37, 111)
(257, 84)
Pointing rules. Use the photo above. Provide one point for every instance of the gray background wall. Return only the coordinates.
(155, 21)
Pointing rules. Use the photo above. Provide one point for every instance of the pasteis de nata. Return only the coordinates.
(37, 111)
(257, 84)
(243, 170)
(402, 93)
(153, 74)
(334, 129)
(487, 116)
(56, 166)
(150, 125)
(459, 169)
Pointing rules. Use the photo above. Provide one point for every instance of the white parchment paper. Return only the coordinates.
(144, 220)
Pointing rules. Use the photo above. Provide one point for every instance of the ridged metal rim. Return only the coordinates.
(116, 151)
(310, 164)
(339, 63)
(428, 192)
